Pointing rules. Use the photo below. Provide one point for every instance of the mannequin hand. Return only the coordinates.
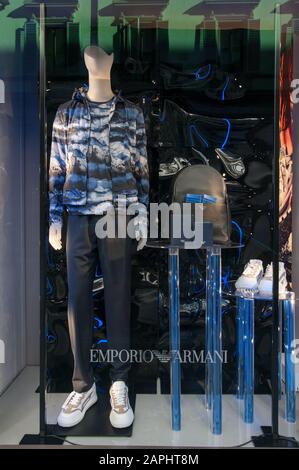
(55, 231)
(141, 231)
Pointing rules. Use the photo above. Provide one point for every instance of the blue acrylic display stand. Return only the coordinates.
(289, 336)
(213, 330)
(174, 308)
(245, 349)
(214, 338)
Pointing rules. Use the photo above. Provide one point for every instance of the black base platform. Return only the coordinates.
(268, 440)
(37, 439)
(96, 421)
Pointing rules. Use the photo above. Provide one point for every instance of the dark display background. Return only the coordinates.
(215, 93)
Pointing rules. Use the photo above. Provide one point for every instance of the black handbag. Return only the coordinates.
(203, 179)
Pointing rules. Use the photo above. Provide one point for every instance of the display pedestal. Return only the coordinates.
(267, 439)
(38, 439)
(96, 423)
(213, 328)
(245, 348)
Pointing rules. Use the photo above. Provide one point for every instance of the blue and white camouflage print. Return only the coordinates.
(98, 161)
(68, 173)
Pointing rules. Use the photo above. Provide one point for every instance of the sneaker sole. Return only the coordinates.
(265, 293)
(268, 290)
(247, 285)
(119, 425)
(74, 423)
(247, 292)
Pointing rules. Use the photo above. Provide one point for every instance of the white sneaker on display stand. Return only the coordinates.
(266, 284)
(251, 276)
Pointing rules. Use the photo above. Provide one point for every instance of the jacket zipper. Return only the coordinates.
(109, 152)
(88, 145)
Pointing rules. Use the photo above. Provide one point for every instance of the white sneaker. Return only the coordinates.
(251, 276)
(121, 415)
(75, 406)
(266, 284)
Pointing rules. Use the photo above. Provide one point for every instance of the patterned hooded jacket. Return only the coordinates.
(69, 153)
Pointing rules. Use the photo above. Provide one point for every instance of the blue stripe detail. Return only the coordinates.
(240, 236)
(203, 77)
(228, 133)
(224, 89)
(99, 323)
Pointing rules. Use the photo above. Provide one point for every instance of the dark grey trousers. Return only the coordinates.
(84, 250)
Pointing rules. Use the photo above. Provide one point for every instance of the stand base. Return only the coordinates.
(96, 421)
(268, 440)
(37, 439)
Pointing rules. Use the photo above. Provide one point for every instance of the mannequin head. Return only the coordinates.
(98, 62)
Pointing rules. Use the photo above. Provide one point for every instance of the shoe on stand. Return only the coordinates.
(251, 276)
(266, 284)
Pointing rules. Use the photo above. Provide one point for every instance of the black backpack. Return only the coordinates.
(203, 179)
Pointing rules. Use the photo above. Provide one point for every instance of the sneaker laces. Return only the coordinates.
(251, 269)
(74, 399)
(119, 396)
(269, 271)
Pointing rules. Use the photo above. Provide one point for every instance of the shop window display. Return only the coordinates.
(137, 95)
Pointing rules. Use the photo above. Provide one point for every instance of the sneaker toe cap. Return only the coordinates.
(246, 283)
(69, 419)
(122, 420)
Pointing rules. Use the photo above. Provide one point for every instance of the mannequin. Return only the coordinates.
(93, 163)
(98, 64)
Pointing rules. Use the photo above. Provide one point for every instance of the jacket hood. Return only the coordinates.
(80, 94)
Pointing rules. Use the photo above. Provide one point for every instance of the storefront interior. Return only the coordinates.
(205, 76)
